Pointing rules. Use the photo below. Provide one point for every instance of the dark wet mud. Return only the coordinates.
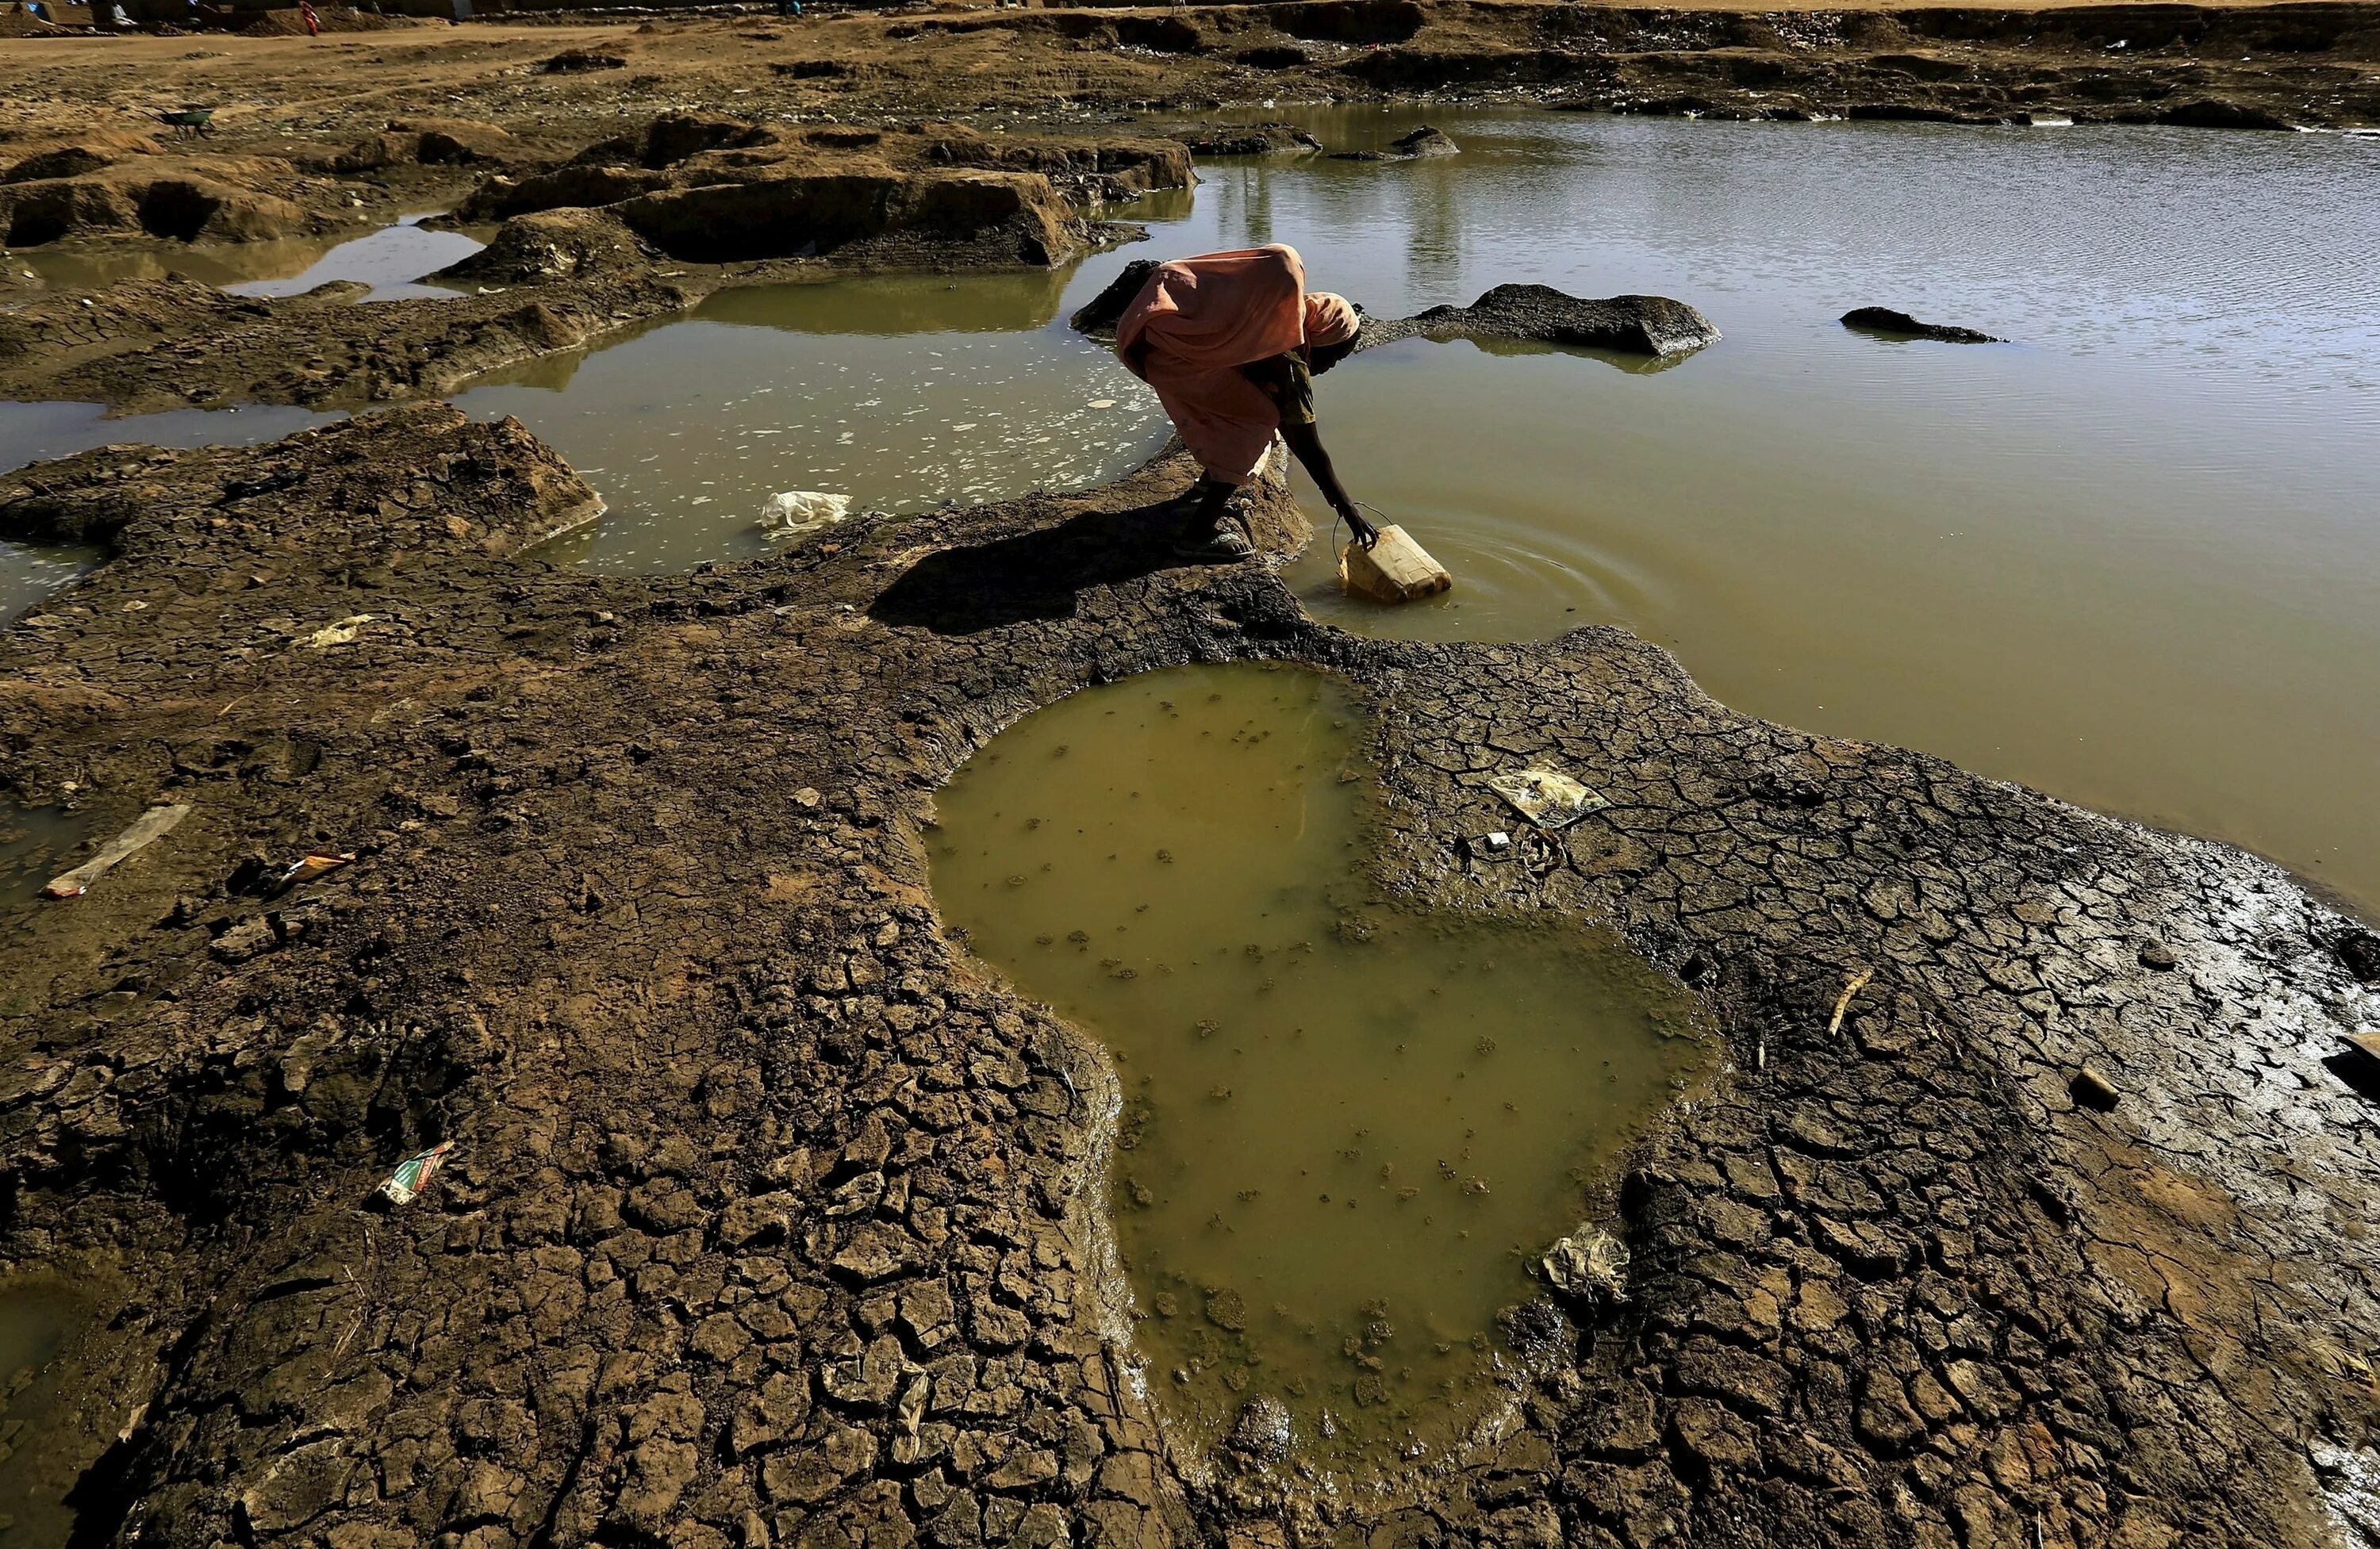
(1348, 1127)
(769, 1206)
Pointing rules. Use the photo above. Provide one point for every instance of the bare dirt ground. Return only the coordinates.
(773, 1218)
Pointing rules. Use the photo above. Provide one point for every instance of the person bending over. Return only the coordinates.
(1231, 344)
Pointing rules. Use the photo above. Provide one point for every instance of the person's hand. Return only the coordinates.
(1366, 534)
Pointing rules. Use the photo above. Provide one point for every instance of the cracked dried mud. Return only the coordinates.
(774, 1217)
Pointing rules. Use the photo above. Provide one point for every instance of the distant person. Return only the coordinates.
(1231, 342)
(306, 13)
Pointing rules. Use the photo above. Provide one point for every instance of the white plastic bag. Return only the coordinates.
(799, 510)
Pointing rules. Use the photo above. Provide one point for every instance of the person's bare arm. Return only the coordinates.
(1307, 443)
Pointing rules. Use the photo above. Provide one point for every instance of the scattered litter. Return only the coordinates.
(1394, 569)
(1591, 1266)
(1857, 983)
(343, 633)
(314, 865)
(414, 1173)
(2093, 1090)
(1103, 402)
(1495, 846)
(146, 829)
(1546, 797)
(801, 510)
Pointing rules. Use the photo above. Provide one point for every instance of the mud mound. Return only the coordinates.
(555, 245)
(1886, 320)
(577, 61)
(1631, 324)
(701, 188)
(427, 142)
(1249, 139)
(1421, 144)
(85, 152)
(179, 200)
(1001, 217)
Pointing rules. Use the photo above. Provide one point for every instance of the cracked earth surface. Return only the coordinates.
(769, 1219)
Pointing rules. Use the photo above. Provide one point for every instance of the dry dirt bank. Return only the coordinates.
(2308, 63)
(765, 1224)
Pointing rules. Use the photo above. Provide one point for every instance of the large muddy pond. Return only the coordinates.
(1345, 1125)
(2130, 559)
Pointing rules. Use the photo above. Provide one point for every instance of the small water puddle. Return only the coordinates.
(392, 259)
(1346, 1125)
(41, 1449)
(30, 571)
(34, 842)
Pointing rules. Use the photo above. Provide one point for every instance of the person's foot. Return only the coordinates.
(1219, 544)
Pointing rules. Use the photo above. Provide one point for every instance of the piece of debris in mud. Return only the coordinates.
(343, 633)
(1546, 797)
(1851, 986)
(1589, 1267)
(800, 510)
(2093, 1090)
(412, 1175)
(1263, 1432)
(1496, 846)
(146, 829)
(309, 866)
(1419, 145)
(1884, 320)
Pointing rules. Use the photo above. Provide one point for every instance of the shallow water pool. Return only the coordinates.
(392, 260)
(1346, 1125)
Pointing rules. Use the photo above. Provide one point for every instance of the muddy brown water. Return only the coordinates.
(38, 1318)
(34, 844)
(2130, 559)
(392, 260)
(1345, 1125)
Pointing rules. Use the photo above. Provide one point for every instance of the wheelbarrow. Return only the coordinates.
(189, 120)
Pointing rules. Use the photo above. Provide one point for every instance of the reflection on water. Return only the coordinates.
(31, 572)
(1344, 1127)
(903, 393)
(34, 844)
(391, 261)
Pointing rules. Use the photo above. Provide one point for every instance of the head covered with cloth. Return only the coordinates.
(1231, 343)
